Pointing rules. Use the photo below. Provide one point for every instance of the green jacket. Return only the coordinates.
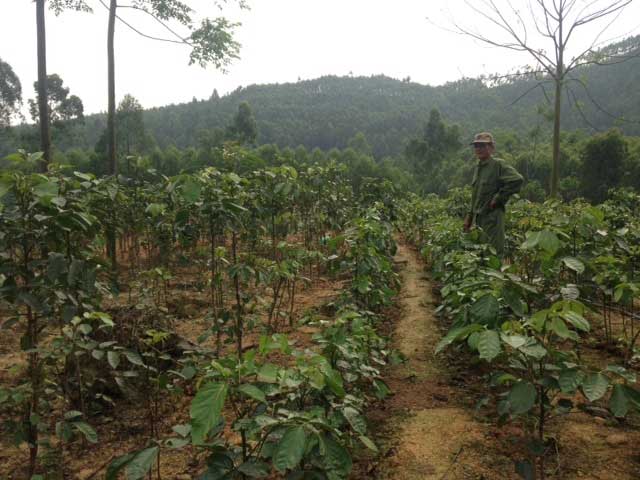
(493, 180)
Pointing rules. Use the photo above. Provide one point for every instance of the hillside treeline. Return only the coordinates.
(435, 160)
(328, 111)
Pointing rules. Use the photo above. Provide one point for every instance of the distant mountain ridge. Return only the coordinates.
(326, 112)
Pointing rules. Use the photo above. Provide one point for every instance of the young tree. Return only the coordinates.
(10, 94)
(131, 132)
(243, 129)
(211, 42)
(543, 30)
(603, 158)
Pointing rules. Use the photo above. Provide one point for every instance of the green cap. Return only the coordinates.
(483, 137)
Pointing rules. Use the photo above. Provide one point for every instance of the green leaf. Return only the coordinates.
(182, 429)
(573, 264)
(46, 190)
(368, 443)
(141, 463)
(619, 403)
(87, 430)
(513, 298)
(514, 341)
(206, 409)
(191, 191)
(362, 284)
(485, 310)
(622, 372)
(134, 358)
(57, 265)
(334, 381)
(356, 420)
(156, 209)
(570, 380)
(489, 345)
(557, 326)
(252, 391)
(595, 386)
(549, 242)
(137, 464)
(457, 334)
(536, 351)
(522, 397)
(290, 449)
(337, 460)
(577, 320)
(268, 373)
(633, 396)
(113, 358)
(255, 469)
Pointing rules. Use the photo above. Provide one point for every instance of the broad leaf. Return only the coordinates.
(268, 373)
(457, 334)
(619, 403)
(113, 358)
(137, 464)
(522, 397)
(485, 310)
(595, 386)
(356, 420)
(577, 320)
(141, 463)
(206, 409)
(255, 469)
(337, 460)
(290, 449)
(570, 380)
(191, 191)
(368, 443)
(87, 430)
(573, 264)
(252, 391)
(514, 341)
(489, 345)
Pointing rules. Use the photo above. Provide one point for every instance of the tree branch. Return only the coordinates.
(181, 42)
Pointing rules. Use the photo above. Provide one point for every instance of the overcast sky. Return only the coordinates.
(282, 41)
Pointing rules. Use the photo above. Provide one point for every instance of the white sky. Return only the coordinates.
(282, 40)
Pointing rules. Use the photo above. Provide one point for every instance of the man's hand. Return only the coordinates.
(467, 224)
(493, 204)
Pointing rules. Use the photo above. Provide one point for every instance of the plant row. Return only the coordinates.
(531, 318)
(88, 274)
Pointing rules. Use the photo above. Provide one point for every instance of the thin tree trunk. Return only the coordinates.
(111, 112)
(112, 167)
(559, 77)
(43, 107)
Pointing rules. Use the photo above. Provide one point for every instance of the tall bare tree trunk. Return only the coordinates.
(45, 133)
(111, 113)
(555, 165)
(559, 78)
(112, 167)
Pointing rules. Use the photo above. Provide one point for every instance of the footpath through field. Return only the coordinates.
(425, 432)
(428, 429)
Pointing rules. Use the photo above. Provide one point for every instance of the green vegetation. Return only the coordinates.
(260, 405)
(571, 266)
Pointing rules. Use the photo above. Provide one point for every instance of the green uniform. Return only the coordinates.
(493, 179)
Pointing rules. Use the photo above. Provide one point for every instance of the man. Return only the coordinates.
(494, 181)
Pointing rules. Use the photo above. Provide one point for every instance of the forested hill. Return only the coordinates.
(328, 111)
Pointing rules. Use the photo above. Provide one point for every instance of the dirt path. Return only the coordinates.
(428, 435)
(427, 429)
